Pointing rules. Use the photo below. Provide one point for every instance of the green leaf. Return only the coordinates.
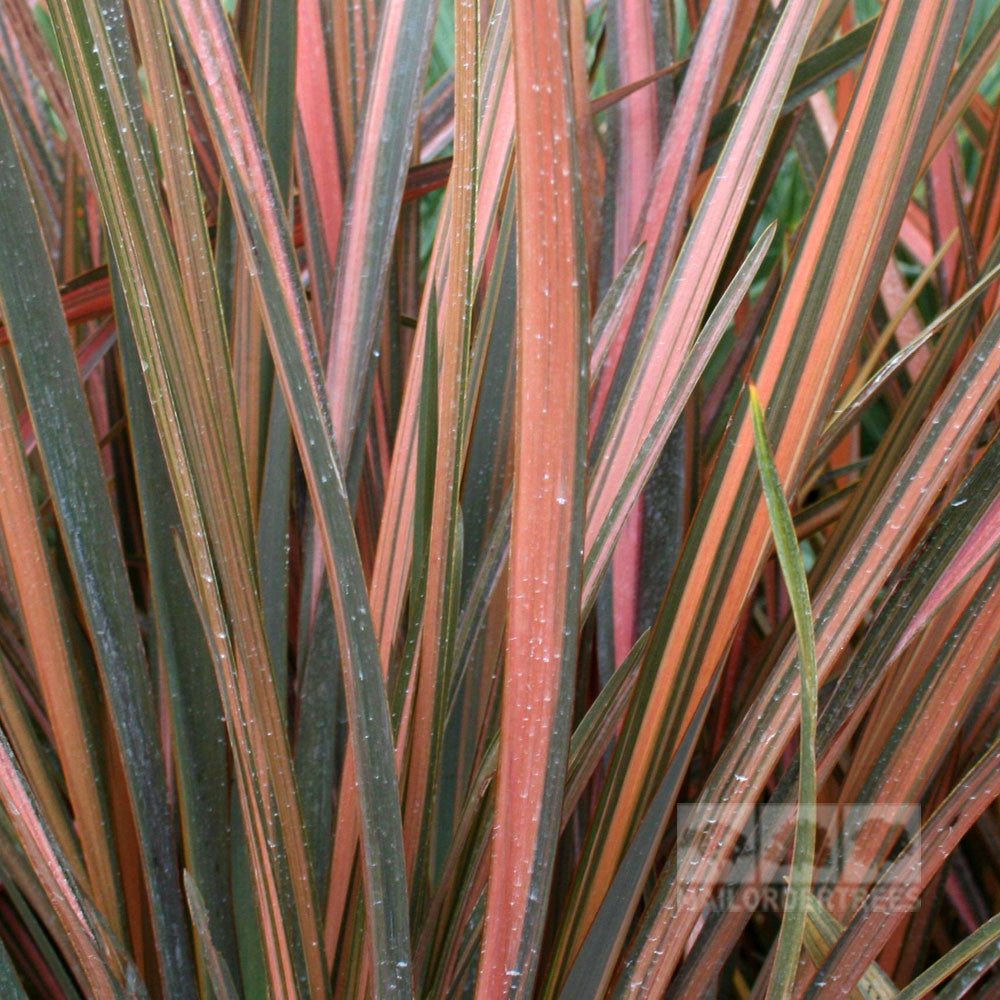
(221, 977)
(10, 985)
(196, 709)
(175, 313)
(47, 367)
(786, 542)
(963, 953)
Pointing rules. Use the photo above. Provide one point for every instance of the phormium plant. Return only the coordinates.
(499, 498)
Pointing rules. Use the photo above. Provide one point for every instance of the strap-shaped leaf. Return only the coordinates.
(391, 574)
(822, 931)
(879, 544)
(595, 963)
(93, 948)
(786, 959)
(221, 977)
(176, 316)
(222, 90)
(608, 499)
(444, 542)
(371, 211)
(45, 632)
(196, 709)
(919, 581)
(543, 600)
(825, 298)
(47, 368)
(9, 983)
(963, 952)
(913, 868)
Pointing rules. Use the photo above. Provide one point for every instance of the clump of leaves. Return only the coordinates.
(392, 593)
